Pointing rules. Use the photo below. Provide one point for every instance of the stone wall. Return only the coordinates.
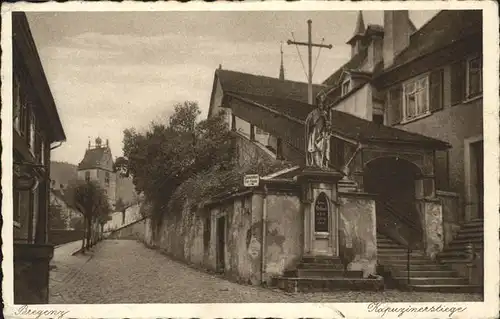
(432, 221)
(358, 232)
(63, 236)
(450, 205)
(193, 237)
(135, 230)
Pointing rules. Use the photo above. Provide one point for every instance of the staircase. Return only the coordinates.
(425, 274)
(322, 274)
(470, 233)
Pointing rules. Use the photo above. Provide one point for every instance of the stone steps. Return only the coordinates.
(417, 267)
(446, 288)
(425, 274)
(323, 273)
(292, 284)
(431, 280)
(320, 266)
(470, 233)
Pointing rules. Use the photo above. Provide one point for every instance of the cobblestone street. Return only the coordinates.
(125, 271)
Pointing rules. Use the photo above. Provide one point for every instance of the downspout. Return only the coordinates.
(264, 232)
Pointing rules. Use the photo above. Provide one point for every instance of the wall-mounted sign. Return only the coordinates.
(321, 214)
(251, 180)
(25, 182)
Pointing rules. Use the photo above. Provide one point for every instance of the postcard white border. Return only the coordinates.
(487, 309)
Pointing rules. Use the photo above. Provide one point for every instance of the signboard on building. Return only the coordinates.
(251, 180)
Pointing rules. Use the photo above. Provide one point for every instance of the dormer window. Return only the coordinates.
(346, 86)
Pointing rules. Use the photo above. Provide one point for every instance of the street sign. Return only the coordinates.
(25, 182)
(251, 180)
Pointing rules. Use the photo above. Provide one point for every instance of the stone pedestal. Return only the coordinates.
(31, 273)
(319, 197)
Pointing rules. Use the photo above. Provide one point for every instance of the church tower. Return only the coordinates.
(97, 165)
(282, 69)
(357, 40)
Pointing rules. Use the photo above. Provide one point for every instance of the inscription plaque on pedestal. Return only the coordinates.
(321, 214)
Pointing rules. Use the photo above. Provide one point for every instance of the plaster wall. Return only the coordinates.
(358, 103)
(284, 234)
(358, 232)
(453, 124)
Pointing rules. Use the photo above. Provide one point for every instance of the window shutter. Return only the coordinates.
(395, 105)
(457, 82)
(436, 90)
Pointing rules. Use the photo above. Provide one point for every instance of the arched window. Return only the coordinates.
(321, 214)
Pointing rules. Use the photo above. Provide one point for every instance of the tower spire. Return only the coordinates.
(360, 25)
(282, 69)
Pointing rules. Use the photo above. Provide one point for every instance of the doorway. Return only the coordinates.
(393, 180)
(221, 243)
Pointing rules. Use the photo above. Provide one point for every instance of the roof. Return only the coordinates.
(343, 124)
(239, 82)
(354, 63)
(359, 30)
(445, 28)
(295, 109)
(24, 49)
(96, 158)
(359, 129)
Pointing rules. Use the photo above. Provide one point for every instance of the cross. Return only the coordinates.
(310, 45)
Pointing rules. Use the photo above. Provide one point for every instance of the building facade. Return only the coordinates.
(36, 130)
(97, 165)
(387, 161)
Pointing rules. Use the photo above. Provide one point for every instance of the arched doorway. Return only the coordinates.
(393, 180)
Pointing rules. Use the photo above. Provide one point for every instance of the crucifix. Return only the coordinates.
(310, 45)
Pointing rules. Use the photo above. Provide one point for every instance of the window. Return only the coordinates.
(345, 87)
(474, 77)
(42, 151)
(106, 179)
(416, 98)
(378, 118)
(23, 114)
(87, 176)
(32, 133)
(16, 101)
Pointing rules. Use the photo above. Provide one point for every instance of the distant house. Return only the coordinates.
(68, 213)
(36, 130)
(97, 165)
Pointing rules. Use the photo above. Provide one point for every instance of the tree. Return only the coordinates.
(91, 201)
(167, 154)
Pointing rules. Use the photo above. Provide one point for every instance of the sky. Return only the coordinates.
(109, 71)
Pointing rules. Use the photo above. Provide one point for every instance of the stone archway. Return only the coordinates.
(394, 180)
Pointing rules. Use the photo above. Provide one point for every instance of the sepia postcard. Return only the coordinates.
(313, 159)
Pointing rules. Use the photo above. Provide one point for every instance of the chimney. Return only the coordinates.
(375, 36)
(396, 34)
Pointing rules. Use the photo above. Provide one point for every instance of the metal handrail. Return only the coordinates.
(393, 211)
